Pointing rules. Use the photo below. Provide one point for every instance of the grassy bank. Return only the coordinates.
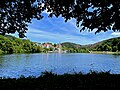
(105, 52)
(51, 81)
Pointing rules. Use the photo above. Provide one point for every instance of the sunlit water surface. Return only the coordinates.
(15, 65)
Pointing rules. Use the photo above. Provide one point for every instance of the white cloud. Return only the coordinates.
(72, 22)
(115, 34)
(56, 30)
(56, 37)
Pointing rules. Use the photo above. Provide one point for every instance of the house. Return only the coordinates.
(47, 45)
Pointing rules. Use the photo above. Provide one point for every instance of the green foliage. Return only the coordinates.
(74, 48)
(10, 44)
(1, 52)
(109, 45)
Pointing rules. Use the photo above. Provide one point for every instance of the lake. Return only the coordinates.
(15, 65)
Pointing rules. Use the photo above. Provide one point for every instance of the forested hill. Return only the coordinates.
(112, 44)
(70, 45)
(74, 48)
(10, 44)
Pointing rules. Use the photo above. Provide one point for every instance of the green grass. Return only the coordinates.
(105, 52)
(51, 81)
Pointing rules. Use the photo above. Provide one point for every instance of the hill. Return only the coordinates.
(112, 44)
(10, 44)
(74, 48)
(70, 45)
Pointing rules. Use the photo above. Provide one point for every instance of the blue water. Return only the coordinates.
(15, 65)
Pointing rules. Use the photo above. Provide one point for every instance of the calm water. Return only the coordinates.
(16, 65)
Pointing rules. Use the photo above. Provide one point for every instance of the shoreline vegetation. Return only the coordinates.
(105, 52)
(12, 45)
(51, 81)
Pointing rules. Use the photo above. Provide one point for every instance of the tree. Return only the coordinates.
(114, 49)
(99, 15)
(17, 45)
(118, 46)
(15, 14)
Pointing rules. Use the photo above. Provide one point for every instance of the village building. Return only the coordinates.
(47, 45)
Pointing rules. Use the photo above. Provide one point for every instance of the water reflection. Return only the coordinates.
(1, 61)
(116, 56)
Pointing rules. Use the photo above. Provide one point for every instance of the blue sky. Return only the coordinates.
(55, 30)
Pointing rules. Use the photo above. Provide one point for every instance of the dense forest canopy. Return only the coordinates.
(99, 15)
(10, 44)
(109, 45)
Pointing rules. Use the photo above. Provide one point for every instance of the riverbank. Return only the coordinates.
(51, 81)
(105, 52)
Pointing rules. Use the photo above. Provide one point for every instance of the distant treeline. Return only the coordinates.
(10, 44)
(74, 48)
